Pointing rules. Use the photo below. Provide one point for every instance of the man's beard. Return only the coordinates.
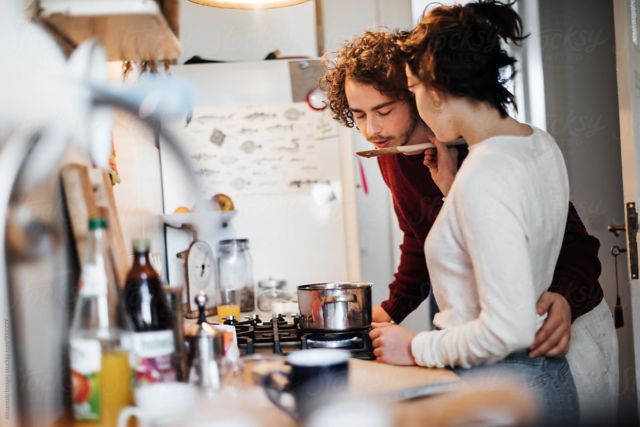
(409, 132)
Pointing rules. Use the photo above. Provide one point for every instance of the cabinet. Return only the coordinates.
(134, 30)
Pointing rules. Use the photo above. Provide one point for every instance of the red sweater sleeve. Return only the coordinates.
(416, 201)
(410, 285)
(578, 267)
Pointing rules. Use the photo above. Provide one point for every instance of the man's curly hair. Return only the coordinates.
(373, 58)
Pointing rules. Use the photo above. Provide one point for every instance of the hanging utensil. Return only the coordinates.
(618, 317)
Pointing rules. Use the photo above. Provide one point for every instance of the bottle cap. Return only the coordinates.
(97, 223)
(141, 245)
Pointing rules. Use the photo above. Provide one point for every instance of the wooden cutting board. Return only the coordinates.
(89, 193)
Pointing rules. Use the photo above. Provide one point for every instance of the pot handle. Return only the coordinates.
(333, 299)
(275, 392)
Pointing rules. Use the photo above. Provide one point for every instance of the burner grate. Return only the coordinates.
(283, 336)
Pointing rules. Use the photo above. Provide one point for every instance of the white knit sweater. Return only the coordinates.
(492, 250)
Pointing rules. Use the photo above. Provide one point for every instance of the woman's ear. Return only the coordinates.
(437, 99)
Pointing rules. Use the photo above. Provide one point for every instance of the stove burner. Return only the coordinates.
(332, 341)
(281, 336)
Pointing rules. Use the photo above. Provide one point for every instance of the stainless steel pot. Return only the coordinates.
(337, 306)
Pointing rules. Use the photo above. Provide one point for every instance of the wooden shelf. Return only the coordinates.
(133, 30)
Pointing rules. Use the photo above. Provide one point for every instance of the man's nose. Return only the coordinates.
(373, 126)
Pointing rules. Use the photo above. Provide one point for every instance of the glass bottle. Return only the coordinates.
(147, 307)
(235, 271)
(99, 339)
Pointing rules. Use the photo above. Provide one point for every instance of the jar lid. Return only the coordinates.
(232, 243)
(272, 283)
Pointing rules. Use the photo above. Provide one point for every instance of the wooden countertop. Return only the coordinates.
(375, 382)
(371, 381)
(368, 380)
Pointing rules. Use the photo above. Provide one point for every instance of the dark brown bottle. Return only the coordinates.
(153, 346)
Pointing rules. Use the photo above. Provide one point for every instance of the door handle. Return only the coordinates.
(616, 229)
(632, 236)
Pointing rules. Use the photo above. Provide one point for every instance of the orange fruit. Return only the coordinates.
(182, 209)
(223, 202)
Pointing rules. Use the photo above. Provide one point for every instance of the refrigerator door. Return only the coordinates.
(287, 167)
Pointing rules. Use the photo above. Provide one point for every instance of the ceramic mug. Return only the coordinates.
(161, 404)
(317, 376)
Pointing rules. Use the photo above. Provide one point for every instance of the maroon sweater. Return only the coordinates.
(417, 201)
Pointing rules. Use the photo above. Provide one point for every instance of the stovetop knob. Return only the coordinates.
(230, 320)
(254, 319)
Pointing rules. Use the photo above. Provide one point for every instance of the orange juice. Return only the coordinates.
(115, 389)
(116, 385)
(227, 310)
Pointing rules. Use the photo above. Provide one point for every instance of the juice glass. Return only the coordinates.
(229, 303)
(114, 389)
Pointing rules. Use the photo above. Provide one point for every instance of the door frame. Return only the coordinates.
(628, 76)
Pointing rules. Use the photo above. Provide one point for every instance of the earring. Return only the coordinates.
(439, 106)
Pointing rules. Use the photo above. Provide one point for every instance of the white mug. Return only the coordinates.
(160, 404)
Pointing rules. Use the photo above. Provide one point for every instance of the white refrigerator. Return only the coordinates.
(287, 167)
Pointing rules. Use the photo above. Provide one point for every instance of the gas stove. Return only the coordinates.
(282, 335)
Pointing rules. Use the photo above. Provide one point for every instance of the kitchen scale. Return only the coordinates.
(200, 277)
(198, 259)
(199, 265)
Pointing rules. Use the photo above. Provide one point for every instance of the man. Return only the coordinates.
(366, 87)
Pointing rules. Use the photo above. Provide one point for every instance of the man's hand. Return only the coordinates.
(553, 338)
(392, 344)
(442, 162)
(379, 315)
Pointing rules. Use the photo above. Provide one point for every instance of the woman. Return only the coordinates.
(492, 250)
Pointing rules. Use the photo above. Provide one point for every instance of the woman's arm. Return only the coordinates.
(495, 240)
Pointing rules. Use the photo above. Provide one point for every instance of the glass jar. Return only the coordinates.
(270, 291)
(235, 271)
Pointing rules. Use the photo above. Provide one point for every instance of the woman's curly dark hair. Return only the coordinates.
(457, 49)
(373, 58)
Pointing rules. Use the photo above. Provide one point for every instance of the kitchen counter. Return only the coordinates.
(368, 380)
(374, 382)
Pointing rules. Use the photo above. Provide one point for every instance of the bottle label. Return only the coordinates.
(86, 362)
(153, 357)
(93, 280)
